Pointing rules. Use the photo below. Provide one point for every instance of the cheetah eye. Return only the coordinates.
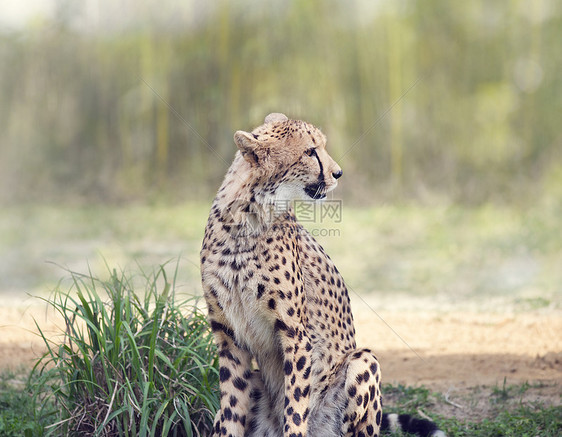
(310, 152)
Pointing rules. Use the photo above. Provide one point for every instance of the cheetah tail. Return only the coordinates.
(407, 423)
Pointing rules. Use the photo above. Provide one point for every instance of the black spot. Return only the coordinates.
(240, 384)
(297, 419)
(297, 394)
(216, 326)
(261, 290)
(280, 325)
(255, 395)
(224, 374)
(233, 401)
(235, 266)
(227, 413)
(352, 391)
(301, 362)
(365, 417)
(271, 304)
(366, 376)
(288, 367)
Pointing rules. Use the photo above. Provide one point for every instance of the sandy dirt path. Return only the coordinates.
(465, 349)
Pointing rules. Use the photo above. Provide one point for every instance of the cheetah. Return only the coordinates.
(278, 308)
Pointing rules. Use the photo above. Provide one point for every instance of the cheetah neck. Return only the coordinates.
(247, 200)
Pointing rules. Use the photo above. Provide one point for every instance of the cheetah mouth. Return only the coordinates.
(316, 191)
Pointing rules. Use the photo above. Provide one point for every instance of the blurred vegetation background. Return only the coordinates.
(433, 101)
(117, 117)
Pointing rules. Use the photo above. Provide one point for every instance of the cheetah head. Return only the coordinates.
(290, 158)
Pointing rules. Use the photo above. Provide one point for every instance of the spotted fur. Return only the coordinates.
(277, 305)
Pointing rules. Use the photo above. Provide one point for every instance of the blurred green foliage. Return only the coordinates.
(420, 100)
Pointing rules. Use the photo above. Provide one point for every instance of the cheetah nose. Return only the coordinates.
(337, 174)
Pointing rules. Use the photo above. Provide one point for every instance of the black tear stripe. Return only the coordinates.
(321, 176)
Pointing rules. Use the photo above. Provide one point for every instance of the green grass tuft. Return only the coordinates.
(130, 363)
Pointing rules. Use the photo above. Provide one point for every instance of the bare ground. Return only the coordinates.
(469, 358)
(466, 356)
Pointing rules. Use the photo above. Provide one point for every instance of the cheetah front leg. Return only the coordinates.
(235, 375)
(296, 369)
(350, 403)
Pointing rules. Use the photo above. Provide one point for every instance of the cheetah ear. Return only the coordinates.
(275, 117)
(247, 144)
